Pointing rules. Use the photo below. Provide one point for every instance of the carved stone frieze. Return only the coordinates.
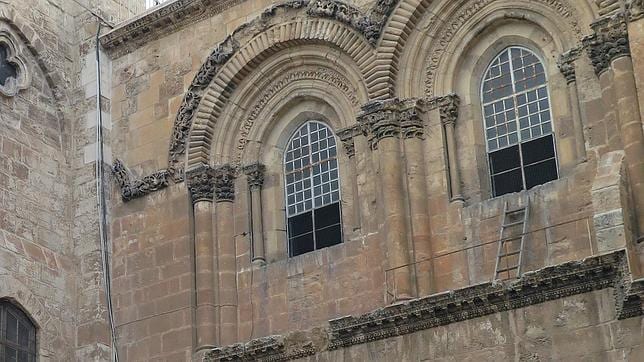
(270, 348)
(445, 31)
(132, 189)
(225, 183)
(346, 136)
(550, 283)
(609, 42)
(255, 175)
(448, 108)
(201, 183)
(327, 75)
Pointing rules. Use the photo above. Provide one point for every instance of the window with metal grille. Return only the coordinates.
(7, 70)
(312, 190)
(518, 122)
(17, 335)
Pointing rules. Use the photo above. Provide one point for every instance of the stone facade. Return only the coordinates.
(198, 101)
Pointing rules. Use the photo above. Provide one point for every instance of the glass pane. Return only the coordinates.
(12, 328)
(505, 159)
(540, 173)
(10, 354)
(300, 224)
(537, 150)
(23, 335)
(22, 356)
(328, 236)
(508, 182)
(327, 216)
(301, 244)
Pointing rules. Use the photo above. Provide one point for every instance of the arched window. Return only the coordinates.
(312, 189)
(518, 122)
(17, 335)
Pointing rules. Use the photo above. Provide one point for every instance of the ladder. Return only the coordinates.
(511, 243)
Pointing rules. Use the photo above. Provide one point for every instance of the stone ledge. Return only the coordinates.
(550, 283)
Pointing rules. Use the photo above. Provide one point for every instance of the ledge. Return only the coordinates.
(568, 279)
(160, 20)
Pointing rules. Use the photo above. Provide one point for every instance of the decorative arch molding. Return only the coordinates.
(206, 106)
(29, 38)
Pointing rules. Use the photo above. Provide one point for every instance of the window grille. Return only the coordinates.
(17, 335)
(518, 122)
(312, 189)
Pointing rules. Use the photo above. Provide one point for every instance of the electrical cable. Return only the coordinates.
(100, 195)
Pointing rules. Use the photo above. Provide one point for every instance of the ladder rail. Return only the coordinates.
(524, 235)
(506, 254)
(500, 248)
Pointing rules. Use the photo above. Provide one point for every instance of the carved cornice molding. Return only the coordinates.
(271, 348)
(255, 175)
(448, 108)
(201, 183)
(550, 283)
(132, 189)
(609, 42)
(225, 183)
(347, 136)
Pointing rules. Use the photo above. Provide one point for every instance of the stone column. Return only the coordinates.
(382, 122)
(413, 134)
(448, 107)
(567, 68)
(200, 184)
(609, 51)
(351, 214)
(255, 176)
(224, 177)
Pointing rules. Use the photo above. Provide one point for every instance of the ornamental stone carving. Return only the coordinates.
(224, 183)
(131, 189)
(566, 64)
(201, 183)
(609, 42)
(15, 66)
(270, 348)
(346, 136)
(411, 124)
(636, 9)
(448, 108)
(255, 174)
(391, 118)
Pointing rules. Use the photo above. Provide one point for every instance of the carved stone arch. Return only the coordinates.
(20, 295)
(446, 21)
(254, 52)
(316, 67)
(36, 47)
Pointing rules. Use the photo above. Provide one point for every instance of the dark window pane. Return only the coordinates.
(540, 173)
(505, 159)
(327, 216)
(300, 224)
(10, 354)
(23, 335)
(537, 150)
(12, 328)
(328, 236)
(301, 244)
(22, 356)
(508, 182)
(6, 70)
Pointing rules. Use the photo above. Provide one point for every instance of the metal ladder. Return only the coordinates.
(509, 255)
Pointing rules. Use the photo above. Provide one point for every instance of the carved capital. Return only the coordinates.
(346, 136)
(609, 42)
(255, 174)
(448, 108)
(411, 125)
(200, 183)
(225, 183)
(566, 64)
(636, 9)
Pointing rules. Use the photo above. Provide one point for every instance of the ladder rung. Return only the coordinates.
(510, 253)
(507, 269)
(513, 211)
(513, 224)
(514, 238)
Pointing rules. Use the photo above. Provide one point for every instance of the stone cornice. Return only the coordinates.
(161, 20)
(132, 189)
(550, 283)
